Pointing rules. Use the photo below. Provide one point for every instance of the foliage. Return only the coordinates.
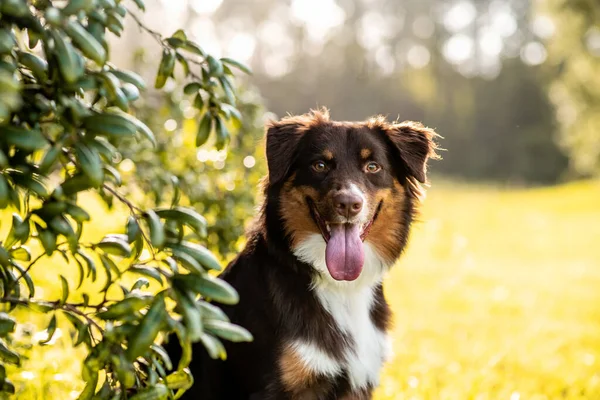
(219, 184)
(575, 89)
(65, 119)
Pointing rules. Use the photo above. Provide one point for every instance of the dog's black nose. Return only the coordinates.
(347, 204)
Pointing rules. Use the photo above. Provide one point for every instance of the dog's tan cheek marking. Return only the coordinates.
(294, 374)
(389, 223)
(365, 153)
(328, 155)
(296, 216)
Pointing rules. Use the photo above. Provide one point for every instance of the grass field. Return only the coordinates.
(498, 297)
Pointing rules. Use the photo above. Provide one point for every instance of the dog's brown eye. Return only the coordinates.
(319, 166)
(373, 167)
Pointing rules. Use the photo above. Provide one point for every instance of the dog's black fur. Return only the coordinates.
(278, 304)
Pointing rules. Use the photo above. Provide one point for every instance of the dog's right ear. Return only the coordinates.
(282, 139)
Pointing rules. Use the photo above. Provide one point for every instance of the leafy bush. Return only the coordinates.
(65, 120)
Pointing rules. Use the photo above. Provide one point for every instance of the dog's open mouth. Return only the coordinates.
(325, 227)
(344, 252)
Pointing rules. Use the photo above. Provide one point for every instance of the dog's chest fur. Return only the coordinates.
(350, 305)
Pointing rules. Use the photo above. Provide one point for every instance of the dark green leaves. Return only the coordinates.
(126, 306)
(148, 329)
(165, 69)
(22, 138)
(204, 129)
(65, 125)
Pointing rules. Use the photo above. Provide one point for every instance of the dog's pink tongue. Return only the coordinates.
(344, 253)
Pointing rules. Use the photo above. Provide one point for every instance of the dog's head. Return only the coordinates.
(346, 190)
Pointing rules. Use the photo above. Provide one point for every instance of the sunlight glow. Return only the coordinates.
(592, 41)
(374, 28)
(460, 16)
(543, 26)
(458, 49)
(504, 23)
(533, 53)
(318, 16)
(206, 6)
(249, 161)
(241, 46)
(490, 43)
(418, 56)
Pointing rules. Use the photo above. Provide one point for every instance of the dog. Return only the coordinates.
(338, 204)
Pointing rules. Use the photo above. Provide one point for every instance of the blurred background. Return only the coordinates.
(498, 295)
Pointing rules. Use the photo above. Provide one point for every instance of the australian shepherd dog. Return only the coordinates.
(338, 204)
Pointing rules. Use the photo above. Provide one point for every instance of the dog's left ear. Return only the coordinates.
(415, 144)
(282, 140)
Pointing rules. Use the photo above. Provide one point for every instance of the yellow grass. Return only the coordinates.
(498, 297)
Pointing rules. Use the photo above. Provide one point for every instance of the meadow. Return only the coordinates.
(497, 297)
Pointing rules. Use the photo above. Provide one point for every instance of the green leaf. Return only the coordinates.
(213, 346)
(7, 324)
(165, 69)
(27, 278)
(51, 329)
(140, 283)
(86, 42)
(148, 329)
(228, 331)
(50, 158)
(129, 305)
(204, 129)
(185, 216)
(222, 134)
(149, 272)
(5, 190)
(65, 290)
(157, 231)
(179, 34)
(191, 315)
(130, 77)
(25, 139)
(210, 311)
(133, 229)
(70, 64)
(113, 173)
(112, 245)
(191, 88)
(140, 4)
(200, 253)
(156, 392)
(237, 65)
(188, 262)
(21, 253)
(77, 213)
(37, 65)
(215, 67)
(141, 127)
(181, 379)
(90, 163)
(74, 6)
(192, 48)
(208, 286)
(110, 124)
(48, 240)
(184, 64)
(8, 355)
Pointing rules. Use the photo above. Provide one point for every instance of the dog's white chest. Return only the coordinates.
(351, 312)
(349, 304)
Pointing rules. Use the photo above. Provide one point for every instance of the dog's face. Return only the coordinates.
(346, 190)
